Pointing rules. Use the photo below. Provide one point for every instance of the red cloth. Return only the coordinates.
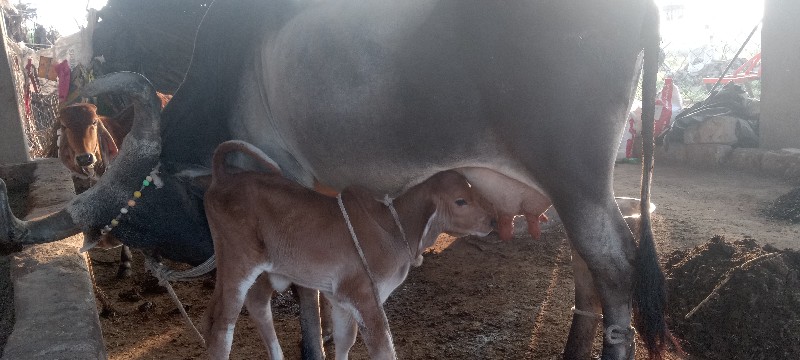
(62, 70)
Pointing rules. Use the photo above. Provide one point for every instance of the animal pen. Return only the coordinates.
(489, 300)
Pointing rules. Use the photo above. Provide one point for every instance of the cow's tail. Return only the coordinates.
(218, 163)
(649, 288)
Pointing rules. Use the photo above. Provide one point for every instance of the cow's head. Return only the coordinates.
(95, 208)
(85, 146)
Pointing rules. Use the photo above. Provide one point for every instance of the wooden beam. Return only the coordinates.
(780, 88)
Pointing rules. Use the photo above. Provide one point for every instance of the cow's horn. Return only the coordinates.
(94, 208)
(50, 228)
(146, 103)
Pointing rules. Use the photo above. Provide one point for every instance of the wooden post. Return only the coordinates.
(13, 145)
(780, 82)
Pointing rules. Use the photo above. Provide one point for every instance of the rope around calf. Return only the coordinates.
(389, 203)
(366, 266)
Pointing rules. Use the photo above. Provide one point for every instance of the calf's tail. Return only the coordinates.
(218, 162)
(649, 288)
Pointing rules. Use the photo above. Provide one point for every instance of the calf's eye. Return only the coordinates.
(461, 202)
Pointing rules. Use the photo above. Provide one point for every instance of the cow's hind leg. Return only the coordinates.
(601, 237)
(258, 303)
(586, 313)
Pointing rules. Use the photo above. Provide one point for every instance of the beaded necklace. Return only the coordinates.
(152, 179)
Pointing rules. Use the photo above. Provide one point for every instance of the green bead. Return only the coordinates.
(145, 183)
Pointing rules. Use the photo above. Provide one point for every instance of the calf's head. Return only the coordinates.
(460, 210)
(83, 141)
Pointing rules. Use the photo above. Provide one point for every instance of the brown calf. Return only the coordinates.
(270, 232)
(88, 142)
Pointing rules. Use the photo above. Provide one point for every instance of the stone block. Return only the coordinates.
(772, 162)
(707, 155)
(674, 153)
(784, 163)
(714, 130)
(748, 159)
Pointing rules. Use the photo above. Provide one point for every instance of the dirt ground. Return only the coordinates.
(736, 300)
(472, 298)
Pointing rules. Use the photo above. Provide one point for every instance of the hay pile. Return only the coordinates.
(742, 300)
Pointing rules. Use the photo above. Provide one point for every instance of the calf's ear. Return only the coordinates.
(65, 153)
(108, 148)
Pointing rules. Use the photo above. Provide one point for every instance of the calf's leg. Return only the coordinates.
(374, 326)
(258, 303)
(223, 309)
(344, 330)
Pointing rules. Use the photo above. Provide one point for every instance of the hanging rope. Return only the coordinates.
(165, 275)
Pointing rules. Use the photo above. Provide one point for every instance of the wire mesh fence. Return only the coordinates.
(37, 104)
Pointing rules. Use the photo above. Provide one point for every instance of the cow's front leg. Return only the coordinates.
(586, 313)
(310, 328)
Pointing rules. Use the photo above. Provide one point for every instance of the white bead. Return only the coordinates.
(123, 210)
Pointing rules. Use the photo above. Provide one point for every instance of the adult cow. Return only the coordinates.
(384, 94)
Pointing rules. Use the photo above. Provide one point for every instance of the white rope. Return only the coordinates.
(388, 202)
(366, 266)
(586, 313)
(165, 275)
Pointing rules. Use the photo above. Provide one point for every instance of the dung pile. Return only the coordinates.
(785, 207)
(735, 300)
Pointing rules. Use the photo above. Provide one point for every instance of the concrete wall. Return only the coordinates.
(780, 95)
(13, 148)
